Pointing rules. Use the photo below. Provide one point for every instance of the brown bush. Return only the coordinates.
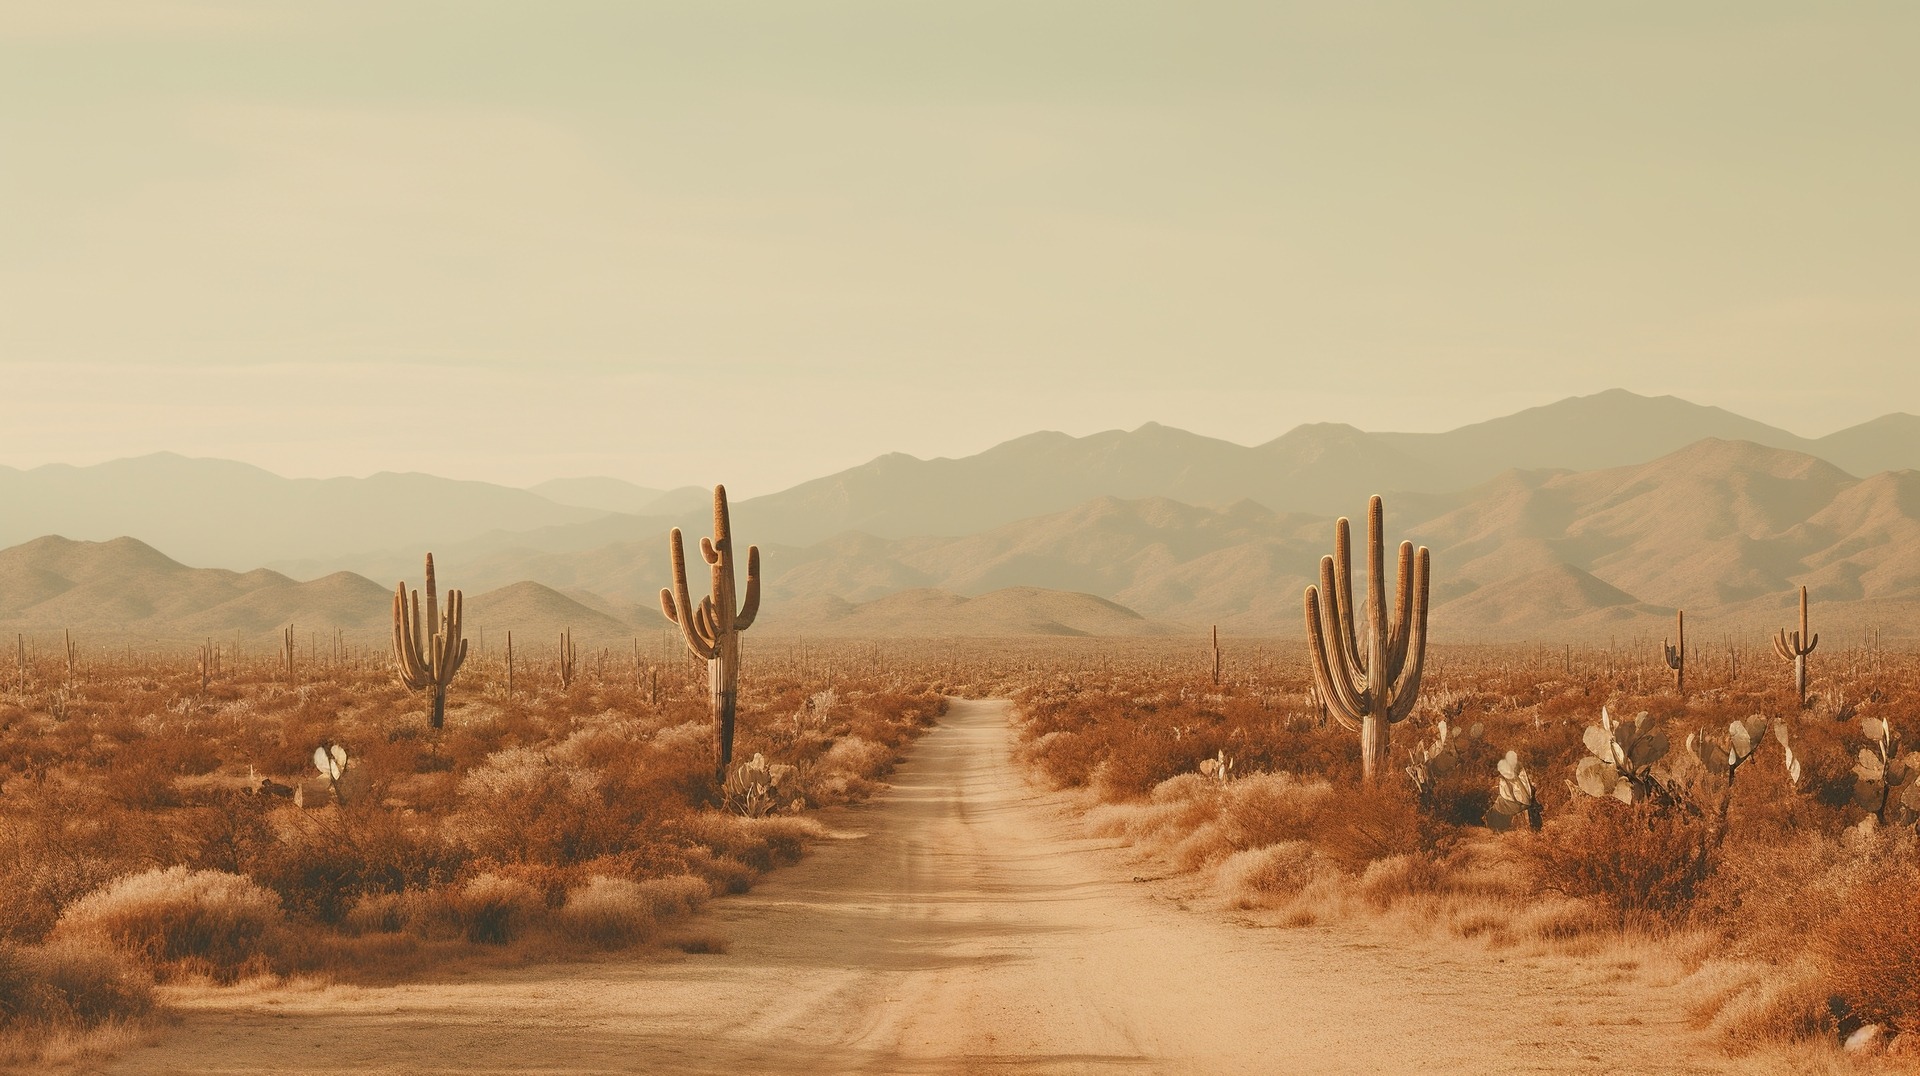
(610, 913)
(70, 982)
(1869, 948)
(184, 921)
(1640, 860)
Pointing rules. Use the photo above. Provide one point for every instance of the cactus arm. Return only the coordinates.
(1378, 673)
(406, 641)
(1811, 643)
(678, 603)
(433, 604)
(454, 649)
(1335, 688)
(1406, 684)
(750, 606)
(1784, 648)
(1402, 613)
(1345, 663)
(1340, 597)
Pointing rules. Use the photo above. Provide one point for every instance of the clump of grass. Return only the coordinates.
(184, 921)
(608, 913)
(70, 982)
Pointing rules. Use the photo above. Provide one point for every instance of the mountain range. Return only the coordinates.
(1588, 516)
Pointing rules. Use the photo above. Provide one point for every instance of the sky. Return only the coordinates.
(760, 242)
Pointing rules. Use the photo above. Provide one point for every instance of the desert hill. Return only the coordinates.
(926, 612)
(126, 587)
(218, 512)
(1174, 530)
(214, 512)
(536, 612)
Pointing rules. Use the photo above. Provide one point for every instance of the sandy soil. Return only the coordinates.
(960, 923)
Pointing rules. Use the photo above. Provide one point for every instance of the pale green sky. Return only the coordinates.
(759, 242)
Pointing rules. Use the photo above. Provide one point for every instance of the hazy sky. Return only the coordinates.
(760, 242)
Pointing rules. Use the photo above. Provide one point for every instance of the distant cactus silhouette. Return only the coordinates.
(1368, 689)
(712, 628)
(427, 662)
(1677, 654)
(567, 665)
(1795, 646)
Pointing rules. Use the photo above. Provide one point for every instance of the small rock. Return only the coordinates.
(1869, 1037)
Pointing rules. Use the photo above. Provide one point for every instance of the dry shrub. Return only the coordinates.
(381, 913)
(1266, 808)
(847, 770)
(1636, 860)
(1770, 1003)
(675, 895)
(69, 982)
(1252, 878)
(760, 844)
(1362, 825)
(611, 913)
(184, 921)
(1387, 881)
(492, 909)
(328, 859)
(1870, 947)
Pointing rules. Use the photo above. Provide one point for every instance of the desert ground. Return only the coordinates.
(963, 921)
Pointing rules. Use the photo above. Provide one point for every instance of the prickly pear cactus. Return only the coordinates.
(1513, 797)
(1621, 758)
(1219, 767)
(1439, 756)
(1785, 735)
(1884, 781)
(332, 764)
(1724, 755)
(757, 788)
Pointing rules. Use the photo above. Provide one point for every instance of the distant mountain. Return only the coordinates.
(1013, 611)
(1720, 528)
(124, 587)
(616, 495)
(1321, 469)
(537, 614)
(1559, 520)
(217, 512)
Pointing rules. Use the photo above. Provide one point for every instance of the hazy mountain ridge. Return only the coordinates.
(218, 512)
(1718, 526)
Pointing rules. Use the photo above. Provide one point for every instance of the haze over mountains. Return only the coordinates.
(1579, 517)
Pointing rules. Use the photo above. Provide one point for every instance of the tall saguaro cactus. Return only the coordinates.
(1369, 690)
(1676, 653)
(1795, 646)
(712, 628)
(428, 661)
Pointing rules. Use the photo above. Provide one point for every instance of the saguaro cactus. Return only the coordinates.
(1369, 690)
(1795, 646)
(566, 659)
(428, 662)
(712, 628)
(1677, 653)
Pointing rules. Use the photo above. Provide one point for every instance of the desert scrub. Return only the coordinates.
(182, 921)
(69, 983)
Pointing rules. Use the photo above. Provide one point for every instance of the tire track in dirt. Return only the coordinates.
(961, 923)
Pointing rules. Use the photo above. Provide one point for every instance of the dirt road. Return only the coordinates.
(962, 925)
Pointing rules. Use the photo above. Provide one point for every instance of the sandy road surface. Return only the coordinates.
(962, 925)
